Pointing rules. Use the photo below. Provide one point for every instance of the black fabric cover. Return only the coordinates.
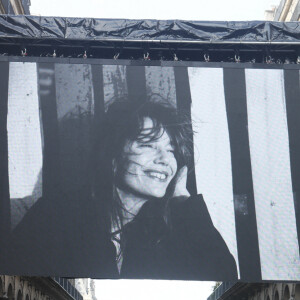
(88, 29)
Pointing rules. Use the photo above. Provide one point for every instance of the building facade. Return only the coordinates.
(38, 288)
(46, 288)
(256, 291)
(286, 11)
(86, 287)
(15, 7)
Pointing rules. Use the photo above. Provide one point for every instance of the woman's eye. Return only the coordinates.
(146, 146)
(171, 151)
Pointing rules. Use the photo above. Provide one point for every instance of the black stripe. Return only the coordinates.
(4, 184)
(136, 83)
(47, 96)
(245, 217)
(98, 177)
(183, 102)
(292, 94)
(97, 139)
(74, 123)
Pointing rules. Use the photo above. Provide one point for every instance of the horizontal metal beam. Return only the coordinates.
(210, 42)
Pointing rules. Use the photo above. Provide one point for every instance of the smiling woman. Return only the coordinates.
(158, 230)
(133, 216)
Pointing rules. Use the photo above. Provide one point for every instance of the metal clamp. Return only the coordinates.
(116, 56)
(237, 58)
(206, 57)
(54, 53)
(175, 57)
(146, 56)
(269, 59)
(24, 52)
(84, 54)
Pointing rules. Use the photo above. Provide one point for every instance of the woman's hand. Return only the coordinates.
(180, 183)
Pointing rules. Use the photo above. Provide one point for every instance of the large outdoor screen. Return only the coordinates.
(150, 170)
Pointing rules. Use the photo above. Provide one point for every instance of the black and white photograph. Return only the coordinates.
(151, 172)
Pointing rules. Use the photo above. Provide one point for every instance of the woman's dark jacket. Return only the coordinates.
(68, 239)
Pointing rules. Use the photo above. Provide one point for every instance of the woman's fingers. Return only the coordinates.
(180, 184)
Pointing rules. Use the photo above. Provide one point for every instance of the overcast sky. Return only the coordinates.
(218, 10)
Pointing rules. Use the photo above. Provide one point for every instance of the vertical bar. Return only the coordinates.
(114, 83)
(24, 139)
(104, 84)
(75, 110)
(292, 93)
(184, 100)
(51, 161)
(245, 217)
(136, 83)
(4, 185)
(74, 90)
(160, 84)
(98, 88)
(212, 150)
(270, 159)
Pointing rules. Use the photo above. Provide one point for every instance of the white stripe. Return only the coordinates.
(270, 160)
(24, 132)
(212, 150)
(160, 84)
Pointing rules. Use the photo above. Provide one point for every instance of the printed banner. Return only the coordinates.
(150, 172)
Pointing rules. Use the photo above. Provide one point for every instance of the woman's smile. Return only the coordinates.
(157, 175)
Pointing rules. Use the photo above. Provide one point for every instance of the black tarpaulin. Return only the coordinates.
(37, 27)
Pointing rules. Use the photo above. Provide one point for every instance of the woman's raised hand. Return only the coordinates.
(180, 183)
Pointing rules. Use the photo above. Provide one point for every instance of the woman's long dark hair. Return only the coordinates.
(124, 122)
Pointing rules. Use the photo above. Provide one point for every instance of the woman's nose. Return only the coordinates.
(161, 157)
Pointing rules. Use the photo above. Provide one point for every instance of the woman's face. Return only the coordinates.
(149, 165)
